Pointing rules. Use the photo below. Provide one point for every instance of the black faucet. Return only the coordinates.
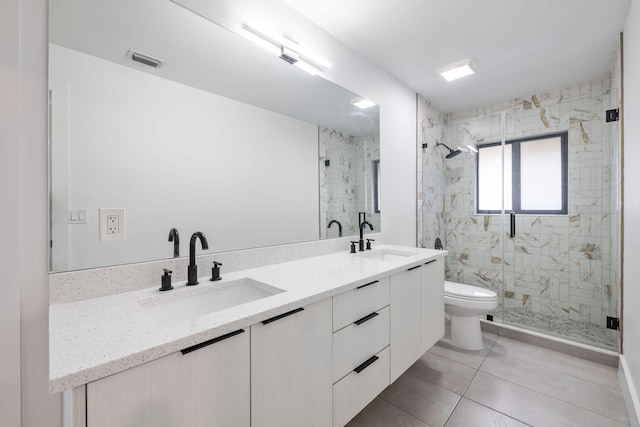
(361, 242)
(333, 221)
(192, 270)
(175, 238)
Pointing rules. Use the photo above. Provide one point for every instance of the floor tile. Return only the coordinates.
(444, 372)
(598, 373)
(469, 413)
(570, 389)
(380, 413)
(422, 399)
(472, 358)
(529, 406)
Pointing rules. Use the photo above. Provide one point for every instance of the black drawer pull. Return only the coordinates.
(429, 262)
(366, 364)
(365, 318)
(367, 284)
(212, 341)
(413, 268)
(282, 316)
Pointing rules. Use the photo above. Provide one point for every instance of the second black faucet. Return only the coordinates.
(192, 270)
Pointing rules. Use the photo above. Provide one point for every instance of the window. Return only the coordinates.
(535, 176)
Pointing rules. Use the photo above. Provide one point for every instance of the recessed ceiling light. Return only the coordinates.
(457, 70)
(363, 103)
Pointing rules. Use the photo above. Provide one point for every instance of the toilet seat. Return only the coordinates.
(462, 291)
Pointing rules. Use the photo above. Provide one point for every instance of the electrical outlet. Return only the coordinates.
(112, 224)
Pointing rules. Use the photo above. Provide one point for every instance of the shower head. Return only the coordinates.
(452, 153)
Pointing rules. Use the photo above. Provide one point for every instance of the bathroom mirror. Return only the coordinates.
(219, 136)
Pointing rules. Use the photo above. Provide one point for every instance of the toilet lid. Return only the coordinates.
(460, 290)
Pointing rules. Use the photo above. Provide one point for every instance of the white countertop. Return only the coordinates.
(94, 338)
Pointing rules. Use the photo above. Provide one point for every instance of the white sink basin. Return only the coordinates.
(199, 301)
(385, 254)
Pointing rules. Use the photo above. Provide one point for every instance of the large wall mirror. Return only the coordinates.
(222, 138)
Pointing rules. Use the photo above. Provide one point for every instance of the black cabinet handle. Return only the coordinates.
(282, 316)
(513, 223)
(366, 364)
(367, 284)
(413, 268)
(365, 318)
(212, 341)
(429, 262)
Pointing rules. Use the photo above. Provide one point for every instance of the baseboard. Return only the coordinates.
(629, 392)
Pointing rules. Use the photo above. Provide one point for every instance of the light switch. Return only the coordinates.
(77, 216)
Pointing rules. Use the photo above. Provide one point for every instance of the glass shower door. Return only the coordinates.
(560, 250)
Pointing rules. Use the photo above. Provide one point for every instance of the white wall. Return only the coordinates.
(187, 158)
(9, 216)
(631, 172)
(23, 191)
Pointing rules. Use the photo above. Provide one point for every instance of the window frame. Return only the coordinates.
(515, 175)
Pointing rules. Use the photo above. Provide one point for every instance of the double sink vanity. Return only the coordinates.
(308, 342)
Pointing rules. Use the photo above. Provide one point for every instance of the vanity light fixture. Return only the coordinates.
(145, 59)
(458, 69)
(363, 103)
(287, 48)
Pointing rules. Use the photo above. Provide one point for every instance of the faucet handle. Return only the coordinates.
(215, 271)
(353, 247)
(166, 280)
(369, 243)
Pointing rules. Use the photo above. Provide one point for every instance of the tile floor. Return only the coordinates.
(509, 383)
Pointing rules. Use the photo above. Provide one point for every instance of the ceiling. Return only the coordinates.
(520, 47)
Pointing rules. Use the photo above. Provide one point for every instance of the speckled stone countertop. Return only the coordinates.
(94, 338)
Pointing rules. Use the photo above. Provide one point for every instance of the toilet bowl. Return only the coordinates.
(464, 304)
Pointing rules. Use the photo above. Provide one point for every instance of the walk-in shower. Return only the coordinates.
(559, 273)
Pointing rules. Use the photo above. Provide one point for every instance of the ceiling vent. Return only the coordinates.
(145, 59)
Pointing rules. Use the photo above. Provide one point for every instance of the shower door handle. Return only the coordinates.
(512, 215)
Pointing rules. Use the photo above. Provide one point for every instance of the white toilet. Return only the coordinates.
(464, 304)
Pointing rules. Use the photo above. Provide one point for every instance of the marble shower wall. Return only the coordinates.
(432, 182)
(559, 265)
(346, 184)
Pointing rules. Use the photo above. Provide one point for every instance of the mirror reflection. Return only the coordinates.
(219, 137)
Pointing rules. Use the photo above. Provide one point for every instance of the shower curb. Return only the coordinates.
(584, 351)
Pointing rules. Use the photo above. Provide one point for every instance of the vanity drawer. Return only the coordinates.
(357, 303)
(356, 343)
(355, 391)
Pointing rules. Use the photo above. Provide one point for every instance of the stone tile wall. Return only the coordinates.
(557, 265)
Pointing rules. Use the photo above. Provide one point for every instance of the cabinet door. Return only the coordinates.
(208, 386)
(291, 370)
(432, 303)
(406, 308)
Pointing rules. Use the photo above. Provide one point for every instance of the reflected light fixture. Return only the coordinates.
(363, 103)
(458, 69)
(287, 48)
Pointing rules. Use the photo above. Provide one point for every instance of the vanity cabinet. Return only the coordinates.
(432, 277)
(291, 368)
(360, 348)
(317, 365)
(405, 320)
(204, 385)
